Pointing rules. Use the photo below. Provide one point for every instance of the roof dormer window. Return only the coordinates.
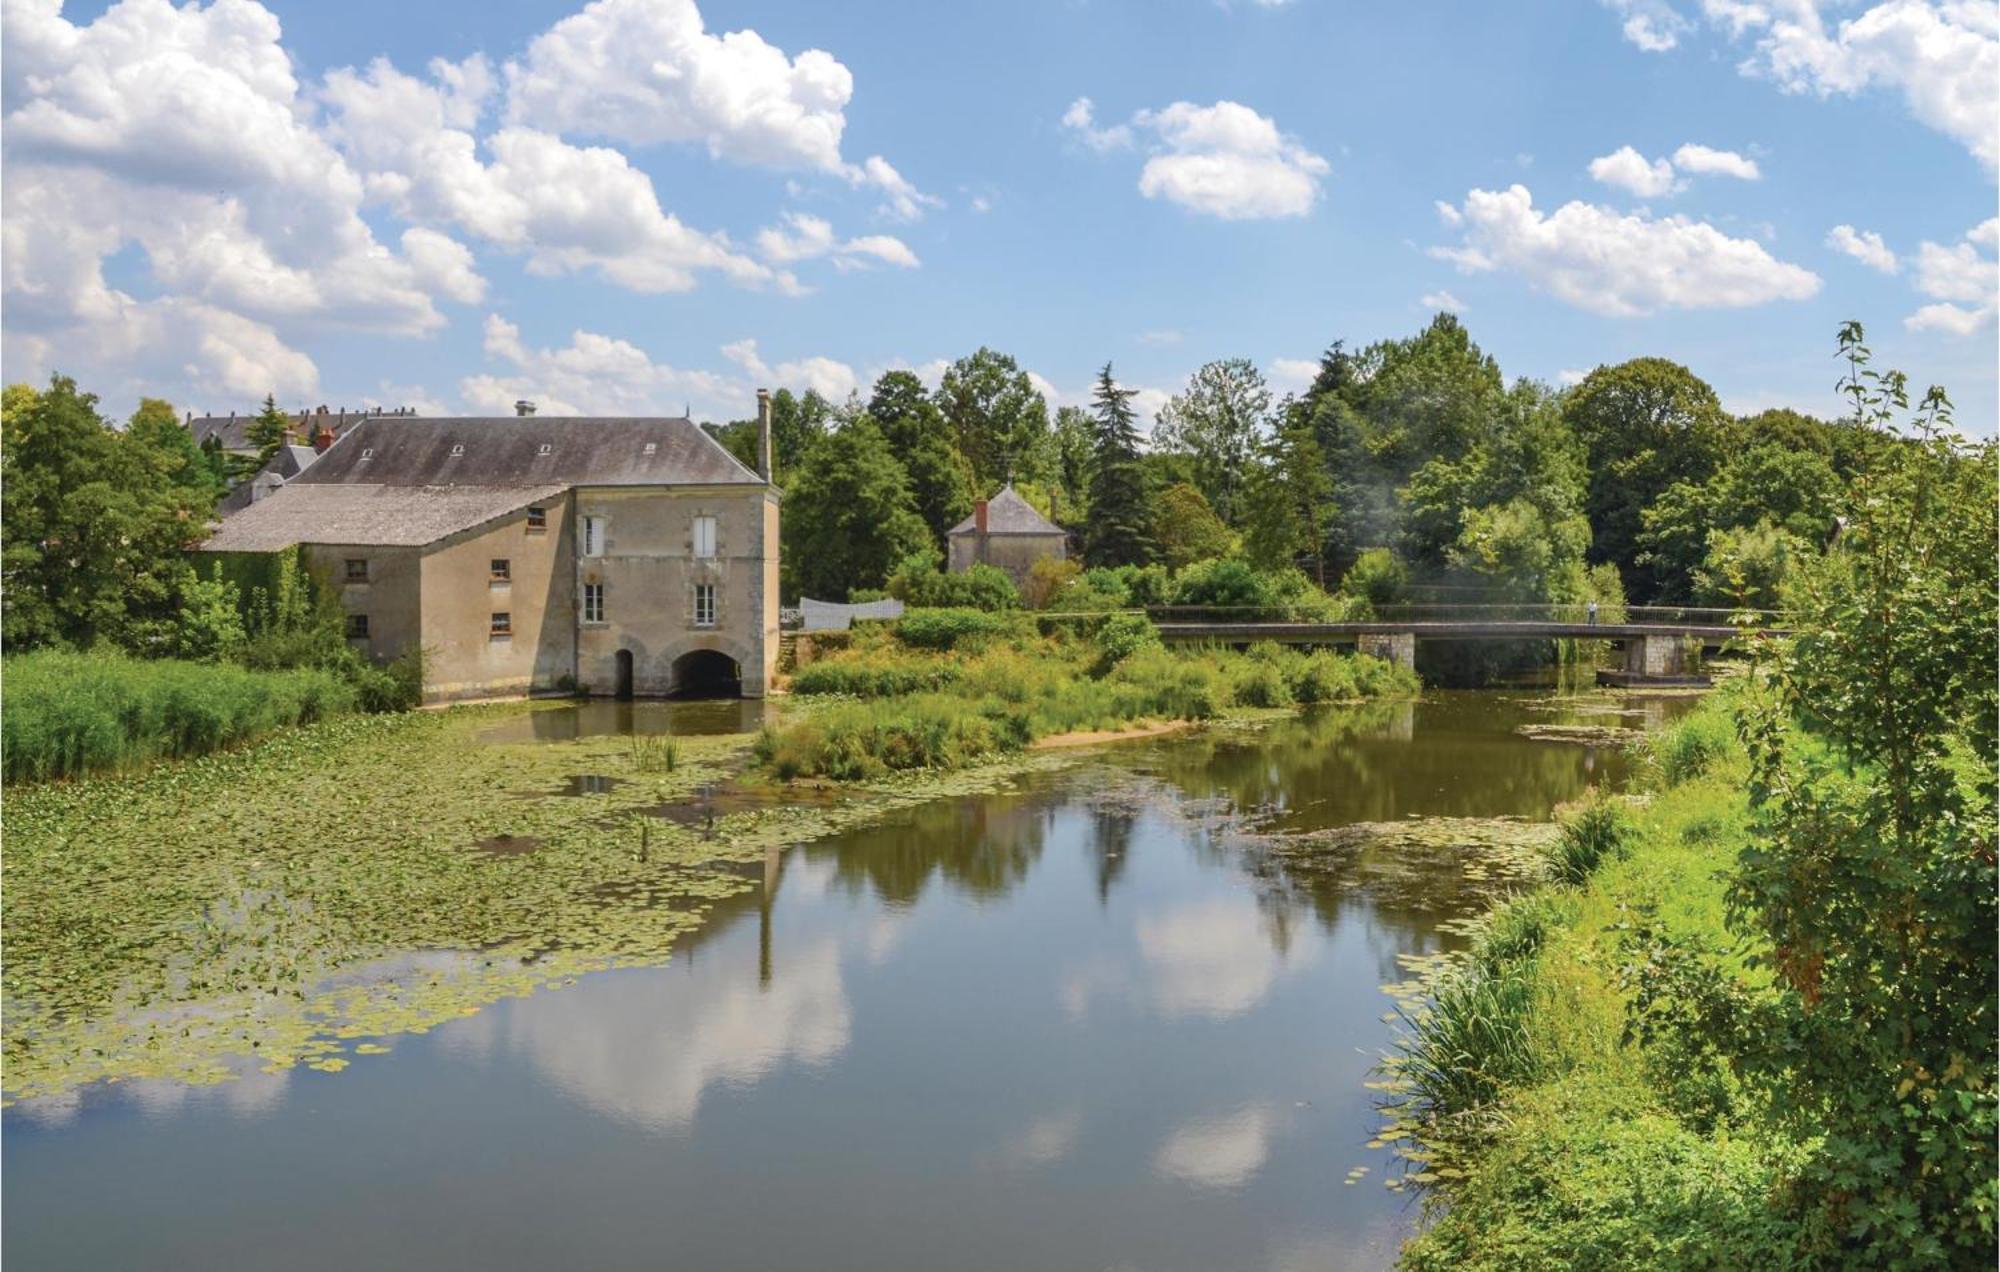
(544, 449)
(457, 449)
(367, 452)
(651, 447)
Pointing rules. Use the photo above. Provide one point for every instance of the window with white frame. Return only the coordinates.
(704, 536)
(593, 536)
(704, 605)
(593, 602)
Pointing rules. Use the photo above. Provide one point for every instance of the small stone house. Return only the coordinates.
(1006, 531)
(622, 556)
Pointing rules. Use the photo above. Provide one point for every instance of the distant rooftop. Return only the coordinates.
(527, 450)
(1008, 513)
(232, 429)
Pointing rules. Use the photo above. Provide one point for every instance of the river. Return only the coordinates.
(1089, 1022)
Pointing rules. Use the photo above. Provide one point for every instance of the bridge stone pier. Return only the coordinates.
(1396, 647)
(1655, 655)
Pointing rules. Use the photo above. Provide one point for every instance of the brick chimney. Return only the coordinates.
(979, 516)
(764, 434)
(324, 438)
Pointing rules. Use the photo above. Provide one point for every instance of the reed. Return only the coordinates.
(74, 713)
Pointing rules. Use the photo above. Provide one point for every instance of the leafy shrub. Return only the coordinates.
(1377, 577)
(1258, 683)
(70, 713)
(1048, 578)
(874, 674)
(1117, 587)
(1238, 589)
(918, 582)
(1121, 636)
(1324, 677)
(946, 628)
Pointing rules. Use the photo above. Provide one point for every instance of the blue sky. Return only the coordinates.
(636, 205)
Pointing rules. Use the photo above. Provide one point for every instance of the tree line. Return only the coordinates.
(1413, 461)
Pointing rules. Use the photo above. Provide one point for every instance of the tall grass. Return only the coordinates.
(1459, 1052)
(1593, 832)
(1689, 747)
(70, 713)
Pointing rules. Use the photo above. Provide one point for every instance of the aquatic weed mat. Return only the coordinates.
(367, 877)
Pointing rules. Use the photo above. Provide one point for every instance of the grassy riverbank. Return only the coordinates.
(1560, 1126)
(944, 689)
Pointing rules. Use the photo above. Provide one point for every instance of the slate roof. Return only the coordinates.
(288, 463)
(518, 450)
(1008, 513)
(372, 514)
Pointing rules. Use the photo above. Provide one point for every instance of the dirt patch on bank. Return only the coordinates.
(1090, 737)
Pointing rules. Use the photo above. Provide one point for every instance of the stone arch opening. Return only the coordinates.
(624, 690)
(707, 673)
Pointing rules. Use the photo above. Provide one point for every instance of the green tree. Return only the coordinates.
(1644, 425)
(95, 530)
(267, 431)
(1872, 879)
(849, 516)
(1288, 505)
(1120, 527)
(166, 445)
(1001, 423)
(1187, 529)
(1789, 488)
(940, 477)
(1074, 443)
(1748, 567)
(1382, 414)
(1220, 420)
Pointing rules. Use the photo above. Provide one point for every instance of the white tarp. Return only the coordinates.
(830, 616)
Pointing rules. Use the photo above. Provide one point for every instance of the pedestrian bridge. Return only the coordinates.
(1655, 641)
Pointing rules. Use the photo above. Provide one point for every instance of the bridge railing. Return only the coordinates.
(1455, 612)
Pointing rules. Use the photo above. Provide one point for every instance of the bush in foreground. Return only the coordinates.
(70, 713)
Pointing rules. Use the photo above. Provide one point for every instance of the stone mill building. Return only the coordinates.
(620, 556)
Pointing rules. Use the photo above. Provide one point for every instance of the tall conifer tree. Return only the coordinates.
(1120, 529)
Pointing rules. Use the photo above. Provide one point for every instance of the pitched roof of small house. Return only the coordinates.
(527, 450)
(1008, 513)
(370, 514)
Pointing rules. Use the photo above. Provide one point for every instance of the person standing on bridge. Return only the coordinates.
(1591, 609)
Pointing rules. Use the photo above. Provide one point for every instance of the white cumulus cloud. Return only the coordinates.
(1618, 264)
(1962, 280)
(1705, 161)
(1442, 299)
(804, 237)
(1632, 172)
(1942, 56)
(1865, 246)
(1224, 160)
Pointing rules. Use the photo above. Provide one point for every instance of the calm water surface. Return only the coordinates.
(1070, 1026)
